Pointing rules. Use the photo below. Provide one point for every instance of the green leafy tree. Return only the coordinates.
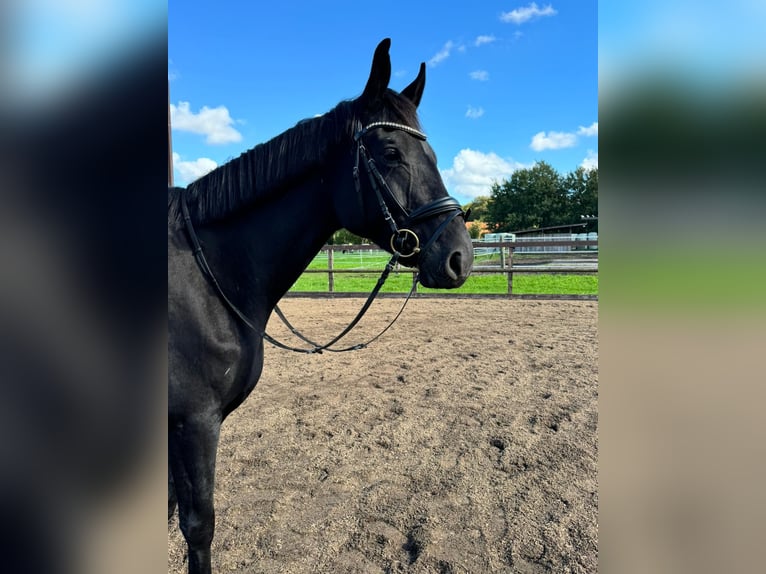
(474, 230)
(478, 208)
(345, 237)
(582, 186)
(532, 197)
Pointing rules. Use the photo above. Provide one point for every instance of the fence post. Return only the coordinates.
(502, 256)
(510, 271)
(330, 274)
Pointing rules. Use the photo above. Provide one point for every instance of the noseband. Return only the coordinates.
(400, 236)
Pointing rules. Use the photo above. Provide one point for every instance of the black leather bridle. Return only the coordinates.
(399, 238)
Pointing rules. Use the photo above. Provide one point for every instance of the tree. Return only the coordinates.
(478, 207)
(475, 229)
(582, 186)
(532, 197)
(345, 237)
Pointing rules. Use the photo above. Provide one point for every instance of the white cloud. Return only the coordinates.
(442, 54)
(474, 113)
(591, 161)
(521, 15)
(559, 140)
(473, 172)
(591, 130)
(480, 75)
(552, 140)
(214, 123)
(484, 40)
(192, 170)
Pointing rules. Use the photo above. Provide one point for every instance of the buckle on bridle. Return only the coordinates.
(401, 235)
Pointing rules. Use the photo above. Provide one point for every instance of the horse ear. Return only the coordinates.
(414, 91)
(380, 74)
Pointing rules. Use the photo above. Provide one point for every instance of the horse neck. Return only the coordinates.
(268, 247)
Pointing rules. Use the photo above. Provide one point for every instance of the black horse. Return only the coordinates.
(259, 220)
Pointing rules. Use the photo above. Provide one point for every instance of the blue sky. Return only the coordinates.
(508, 83)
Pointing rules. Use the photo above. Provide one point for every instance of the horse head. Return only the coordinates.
(401, 202)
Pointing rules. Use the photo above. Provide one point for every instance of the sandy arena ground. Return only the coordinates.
(462, 441)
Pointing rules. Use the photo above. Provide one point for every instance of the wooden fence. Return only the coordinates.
(505, 267)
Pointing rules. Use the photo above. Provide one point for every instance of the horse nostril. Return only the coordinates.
(455, 265)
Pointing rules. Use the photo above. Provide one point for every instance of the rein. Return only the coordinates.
(399, 237)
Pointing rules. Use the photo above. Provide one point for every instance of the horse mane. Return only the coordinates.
(266, 169)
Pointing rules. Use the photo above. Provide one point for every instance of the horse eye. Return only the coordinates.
(391, 154)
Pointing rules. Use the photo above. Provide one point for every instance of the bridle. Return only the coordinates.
(398, 241)
(378, 183)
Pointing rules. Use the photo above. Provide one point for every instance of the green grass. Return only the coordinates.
(549, 284)
(400, 282)
(372, 260)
